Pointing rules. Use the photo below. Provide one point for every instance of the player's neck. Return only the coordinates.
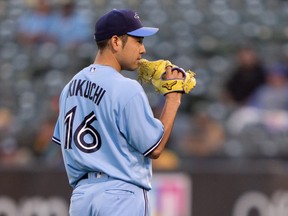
(107, 60)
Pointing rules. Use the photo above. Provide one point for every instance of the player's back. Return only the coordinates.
(97, 127)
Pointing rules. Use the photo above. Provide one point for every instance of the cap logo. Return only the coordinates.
(120, 22)
(136, 16)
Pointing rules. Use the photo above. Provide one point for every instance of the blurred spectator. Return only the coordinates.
(273, 94)
(43, 148)
(11, 153)
(70, 28)
(262, 124)
(206, 138)
(34, 25)
(198, 135)
(246, 77)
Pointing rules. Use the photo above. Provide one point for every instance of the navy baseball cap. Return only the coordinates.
(121, 22)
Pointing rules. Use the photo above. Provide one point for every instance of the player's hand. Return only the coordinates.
(173, 74)
(165, 76)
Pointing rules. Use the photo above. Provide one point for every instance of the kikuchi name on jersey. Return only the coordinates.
(86, 89)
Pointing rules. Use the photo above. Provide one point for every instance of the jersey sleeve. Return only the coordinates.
(56, 134)
(139, 126)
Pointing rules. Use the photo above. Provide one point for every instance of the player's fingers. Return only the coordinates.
(173, 73)
(169, 72)
(178, 73)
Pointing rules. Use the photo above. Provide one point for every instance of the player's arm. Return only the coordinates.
(168, 115)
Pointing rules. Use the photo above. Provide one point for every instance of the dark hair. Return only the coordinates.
(103, 43)
(124, 39)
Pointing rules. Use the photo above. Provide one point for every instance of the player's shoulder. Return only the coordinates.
(130, 86)
(116, 80)
(130, 81)
(109, 79)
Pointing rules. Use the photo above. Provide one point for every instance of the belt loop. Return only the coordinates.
(98, 174)
(93, 175)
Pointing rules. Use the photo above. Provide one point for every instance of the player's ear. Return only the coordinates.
(116, 43)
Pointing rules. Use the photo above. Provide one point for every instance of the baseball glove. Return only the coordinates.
(154, 72)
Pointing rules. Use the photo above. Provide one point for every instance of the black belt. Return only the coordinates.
(85, 176)
(97, 175)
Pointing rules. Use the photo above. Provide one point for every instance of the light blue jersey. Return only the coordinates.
(105, 124)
